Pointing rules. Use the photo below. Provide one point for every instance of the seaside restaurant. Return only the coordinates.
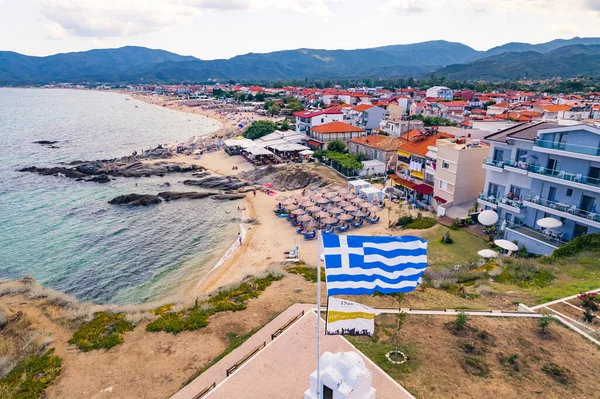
(286, 150)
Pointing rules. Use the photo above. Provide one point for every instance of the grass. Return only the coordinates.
(309, 273)
(235, 341)
(463, 249)
(376, 349)
(105, 330)
(196, 317)
(422, 223)
(31, 376)
(525, 274)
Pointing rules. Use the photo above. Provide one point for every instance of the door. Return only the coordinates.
(594, 175)
(494, 190)
(551, 166)
(587, 203)
(327, 392)
(498, 155)
(551, 194)
(579, 230)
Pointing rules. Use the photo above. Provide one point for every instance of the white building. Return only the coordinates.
(306, 120)
(440, 92)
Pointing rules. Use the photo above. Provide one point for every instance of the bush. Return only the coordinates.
(544, 322)
(475, 366)
(404, 221)
(461, 321)
(336, 146)
(455, 224)
(525, 275)
(309, 273)
(557, 373)
(104, 331)
(232, 299)
(259, 129)
(589, 300)
(422, 223)
(31, 376)
(446, 239)
(580, 244)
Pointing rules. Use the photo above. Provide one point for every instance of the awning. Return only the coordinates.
(419, 175)
(404, 154)
(439, 199)
(424, 189)
(402, 182)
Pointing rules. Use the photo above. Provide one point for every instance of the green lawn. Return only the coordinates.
(462, 250)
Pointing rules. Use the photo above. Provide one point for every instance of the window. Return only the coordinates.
(569, 192)
(445, 165)
(443, 185)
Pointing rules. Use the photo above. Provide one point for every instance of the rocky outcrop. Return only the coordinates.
(287, 178)
(218, 183)
(149, 199)
(136, 200)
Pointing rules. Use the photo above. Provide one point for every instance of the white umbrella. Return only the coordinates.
(299, 212)
(487, 253)
(305, 218)
(488, 218)
(508, 245)
(549, 223)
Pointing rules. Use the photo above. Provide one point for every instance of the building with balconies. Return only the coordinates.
(543, 170)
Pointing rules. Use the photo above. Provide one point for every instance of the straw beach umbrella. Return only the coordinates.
(299, 212)
(297, 196)
(331, 195)
(375, 209)
(359, 214)
(336, 188)
(366, 205)
(356, 201)
(336, 211)
(344, 204)
(289, 202)
(292, 207)
(305, 218)
(345, 217)
(321, 214)
(322, 201)
(343, 191)
(337, 199)
(282, 198)
(330, 220)
(313, 208)
(351, 208)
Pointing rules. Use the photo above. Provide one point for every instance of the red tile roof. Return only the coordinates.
(380, 142)
(362, 107)
(311, 114)
(336, 127)
(418, 145)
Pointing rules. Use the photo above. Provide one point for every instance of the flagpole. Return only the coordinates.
(319, 312)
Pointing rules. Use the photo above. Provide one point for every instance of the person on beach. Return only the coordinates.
(240, 238)
(254, 192)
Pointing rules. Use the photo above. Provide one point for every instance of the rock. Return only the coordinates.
(3, 320)
(45, 142)
(218, 183)
(229, 197)
(136, 200)
(100, 179)
(287, 178)
(172, 196)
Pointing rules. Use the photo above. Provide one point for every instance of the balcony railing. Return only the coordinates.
(493, 162)
(579, 149)
(561, 174)
(565, 208)
(511, 202)
(488, 198)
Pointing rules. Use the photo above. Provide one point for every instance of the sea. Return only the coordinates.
(64, 233)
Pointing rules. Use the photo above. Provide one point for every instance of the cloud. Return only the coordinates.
(55, 31)
(403, 7)
(593, 5)
(117, 18)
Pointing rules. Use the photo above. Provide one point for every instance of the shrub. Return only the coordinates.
(336, 146)
(455, 224)
(461, 321)
(309, 273)
(403, 221)
(105, 330)
(525, 275)
(422, 223)
(475, 366)
(446, 239)
(232, 299)
(259, 129)
(589, 300)
(544, 323)
(31, 376)
(580, 244)
(557, 373)
(588, 316)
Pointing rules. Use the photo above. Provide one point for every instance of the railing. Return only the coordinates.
(565, 208)
(516, 164)
(493, 162)
(488, 198)
(205, 391)
(511, 202)
(280, 330)
(579, 149)
(254, 351)
(561, 174)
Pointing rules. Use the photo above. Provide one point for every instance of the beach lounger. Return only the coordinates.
(310, 236)
(344, 228)
(374, 220)
(357, 224)
(330, 231)
(283, 215)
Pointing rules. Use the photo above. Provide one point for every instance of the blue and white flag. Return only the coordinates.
(357, 265)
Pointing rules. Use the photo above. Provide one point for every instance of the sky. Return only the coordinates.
(211, 29)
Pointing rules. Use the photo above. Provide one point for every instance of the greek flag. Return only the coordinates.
(357, 265)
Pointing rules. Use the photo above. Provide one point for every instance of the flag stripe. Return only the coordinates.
(360, 272)
(369, 291)
(396, 260)
(390, 246)
(395, 253)
(347, 278)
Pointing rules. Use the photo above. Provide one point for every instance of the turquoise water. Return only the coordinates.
(64, 233)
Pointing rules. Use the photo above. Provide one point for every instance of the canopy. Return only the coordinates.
(307, 152)
(549, 223)
(508, 245)
(424, 189)
(487, 253)
(488, 218)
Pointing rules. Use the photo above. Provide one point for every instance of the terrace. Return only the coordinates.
(563, 210)
(544, 145)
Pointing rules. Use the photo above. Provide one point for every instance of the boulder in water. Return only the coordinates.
(136, 200)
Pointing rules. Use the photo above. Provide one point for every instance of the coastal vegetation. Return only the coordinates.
(31, 376)
(309, 273)
(259, 129)
(104, 331)
(434, 120)
(233, 298)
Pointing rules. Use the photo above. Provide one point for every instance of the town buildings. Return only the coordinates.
(367, 116)
(378, 147)
(442, 92)
(323, 134)
(543, 170)
(306, 120)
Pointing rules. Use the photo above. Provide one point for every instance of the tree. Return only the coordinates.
(268, 104)
(336, 146)
(285, 125)
(259, 129)
(259, 97)
(488, 103)
(274, 109)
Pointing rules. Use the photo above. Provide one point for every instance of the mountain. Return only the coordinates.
(566, 62)
(130, 64)
(516, 47)
(456, 60)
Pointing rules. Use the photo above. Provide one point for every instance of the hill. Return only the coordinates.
(565, 62)
(516, 47)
